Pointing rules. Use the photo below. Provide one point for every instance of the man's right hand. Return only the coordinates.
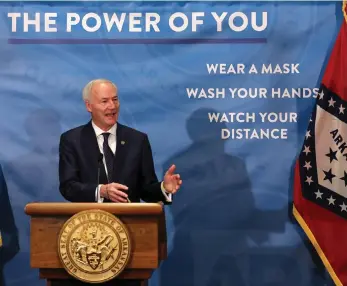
(114, 192)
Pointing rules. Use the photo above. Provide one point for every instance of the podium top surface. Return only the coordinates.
(50, 208)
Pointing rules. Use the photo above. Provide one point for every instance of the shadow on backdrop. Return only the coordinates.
(8, 229)
(31, 177)
(220, 236)
(34, 175)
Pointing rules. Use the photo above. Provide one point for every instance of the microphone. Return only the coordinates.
(99, 161)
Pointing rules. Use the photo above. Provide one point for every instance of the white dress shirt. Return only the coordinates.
(112, 142)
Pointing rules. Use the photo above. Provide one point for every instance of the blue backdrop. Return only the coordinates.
(231, 223)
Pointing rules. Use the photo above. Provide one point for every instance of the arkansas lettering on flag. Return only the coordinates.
(320, 183)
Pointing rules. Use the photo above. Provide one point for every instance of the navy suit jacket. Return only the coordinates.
(133, 166)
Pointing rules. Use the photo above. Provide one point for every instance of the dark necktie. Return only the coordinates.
(108, 154)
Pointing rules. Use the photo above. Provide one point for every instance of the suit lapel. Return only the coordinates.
(91, 151)
(119, 158)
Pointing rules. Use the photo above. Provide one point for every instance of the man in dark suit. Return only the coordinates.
(9, 242)
(121, 156)
(127, 173)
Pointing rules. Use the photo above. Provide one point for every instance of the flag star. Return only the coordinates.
(332, 155)
(329, 176)
(321, 94)
(318, 194)
(342, 109)
(307, 165)
(310, 119)
(331, 200)
(331, 102)
(343, 207)
(307, 149)
(344, 178)
(308, 134)
(309, 180)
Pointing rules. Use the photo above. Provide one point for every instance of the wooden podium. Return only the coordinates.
(145, 222)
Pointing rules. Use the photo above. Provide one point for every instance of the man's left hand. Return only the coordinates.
(172, 181)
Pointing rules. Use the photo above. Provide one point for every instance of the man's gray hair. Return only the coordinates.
(88, 87)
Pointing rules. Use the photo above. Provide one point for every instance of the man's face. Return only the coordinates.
(103, 104)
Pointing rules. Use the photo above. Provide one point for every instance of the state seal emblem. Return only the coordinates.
(94, 246)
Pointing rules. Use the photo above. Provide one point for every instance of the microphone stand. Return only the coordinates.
(99, 161)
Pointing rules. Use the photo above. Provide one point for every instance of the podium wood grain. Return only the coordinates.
(145, 222)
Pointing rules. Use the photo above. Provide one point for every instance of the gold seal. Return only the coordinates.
(94, 246)
(344, 9)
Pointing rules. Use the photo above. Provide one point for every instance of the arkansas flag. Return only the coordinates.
(320, 184)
